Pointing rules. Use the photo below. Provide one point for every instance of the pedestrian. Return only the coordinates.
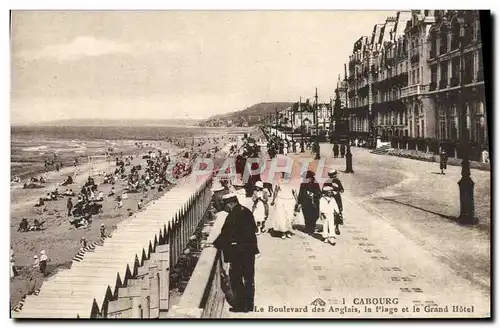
(83, 243)
(335, 150)
(285, 149)
(443, 161)
(238, 242)
(282, 216)
(119, 204)
(334, 182)
(12, 264)
(329, 209)
(140, 204)
(43, 262)
(342, 150)
(260, 207)
(308, 201)
(69, 206)
(297, 147)
(104, 234)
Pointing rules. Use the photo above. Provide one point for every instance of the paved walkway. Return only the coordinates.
(371, 260)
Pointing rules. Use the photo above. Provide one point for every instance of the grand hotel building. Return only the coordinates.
(404, 81)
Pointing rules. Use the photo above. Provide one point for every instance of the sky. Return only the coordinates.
(175, 64)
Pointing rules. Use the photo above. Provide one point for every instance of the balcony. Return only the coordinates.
(432, 86)
(455, 81)
(443, 83)
(413, 90)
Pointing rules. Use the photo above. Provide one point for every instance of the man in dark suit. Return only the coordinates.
(308, 200)
(238, 242)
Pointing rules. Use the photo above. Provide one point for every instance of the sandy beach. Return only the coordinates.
(61, 241)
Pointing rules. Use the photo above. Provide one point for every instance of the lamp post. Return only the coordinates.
(466, 185)
(301, 127)
(317, 128)
(331, 120)
(348, 155)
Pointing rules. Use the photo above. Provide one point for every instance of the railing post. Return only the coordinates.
(164, 270)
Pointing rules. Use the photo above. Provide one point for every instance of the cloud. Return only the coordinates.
(86, 46)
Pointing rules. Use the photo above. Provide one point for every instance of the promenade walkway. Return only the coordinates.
(371, 260)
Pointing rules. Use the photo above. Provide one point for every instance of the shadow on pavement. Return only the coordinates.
(447, 217)
(302, 228)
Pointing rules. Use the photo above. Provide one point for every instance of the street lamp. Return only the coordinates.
(316, 143)
(466, 185)
(348, 155)
(301, 127)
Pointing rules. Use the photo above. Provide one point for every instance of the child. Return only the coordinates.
(329, 210)
(260, 207)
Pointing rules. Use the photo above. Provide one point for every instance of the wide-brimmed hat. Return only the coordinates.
(217, 188)
(42, 252)
(229, 198)
(259, 184)
(332, 172)
(327, 188)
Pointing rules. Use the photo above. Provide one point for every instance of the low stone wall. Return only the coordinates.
(430, 157)
(203, 297)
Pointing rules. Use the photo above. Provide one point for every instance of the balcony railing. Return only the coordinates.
(413, 90)
(432, 86)
(443, 83)
(455, 81)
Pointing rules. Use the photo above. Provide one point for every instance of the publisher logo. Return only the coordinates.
(318, 302)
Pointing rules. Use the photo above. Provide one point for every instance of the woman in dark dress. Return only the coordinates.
(308, 200)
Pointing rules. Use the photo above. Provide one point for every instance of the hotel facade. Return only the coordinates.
(406, 84)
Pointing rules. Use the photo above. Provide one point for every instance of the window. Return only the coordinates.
(442, 123)
(455, 35)
(423, 129)
(480, 130)
(452, 123)
(433, 75)
(443, 41)
(476, 35)
(468, 121)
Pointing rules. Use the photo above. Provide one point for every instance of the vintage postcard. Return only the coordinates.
(250, 164)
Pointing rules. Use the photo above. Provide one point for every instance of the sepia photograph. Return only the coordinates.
(250, 164)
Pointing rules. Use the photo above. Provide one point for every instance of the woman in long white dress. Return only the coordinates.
(283, 212)
(260, 207)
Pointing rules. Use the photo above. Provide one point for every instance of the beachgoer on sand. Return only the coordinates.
(43, 262)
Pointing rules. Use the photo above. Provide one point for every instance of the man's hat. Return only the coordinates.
(217, 188)
(259, 184)
(229, 197)
(332, 172)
